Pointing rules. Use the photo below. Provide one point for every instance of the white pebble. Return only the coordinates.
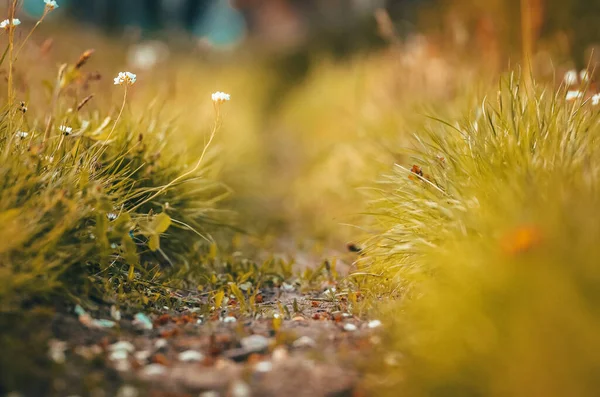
(240, 389)
(304, 341)
(255, 342)
(279, 354)
(122, 345)
(229, 319)
(128, 391)
(118, 355)
(154, 370)
(350, 327)
(191, 355)
(374, 324)
(263, 366)
(210, 393)
(160, 343)
(142, 355)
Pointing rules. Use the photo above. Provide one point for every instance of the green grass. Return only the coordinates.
(492, 252)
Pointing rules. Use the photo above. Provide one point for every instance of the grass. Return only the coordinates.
(89, 193)
(488, 242)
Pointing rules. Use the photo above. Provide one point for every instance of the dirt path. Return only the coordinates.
(311, 350)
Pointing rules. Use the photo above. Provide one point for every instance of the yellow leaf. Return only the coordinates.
(219, 298)
(161, 223)
(130, 274)
(154, 242)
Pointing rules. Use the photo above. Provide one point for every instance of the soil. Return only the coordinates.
(314, 352)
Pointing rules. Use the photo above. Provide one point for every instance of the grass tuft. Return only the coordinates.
(489, 242)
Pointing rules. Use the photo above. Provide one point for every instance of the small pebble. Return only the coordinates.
(287, 287)
(191, 355)
(142, 355)
(115, 313)
(210, 393)
(255, 343)
(128, 391)
(154, 370)
(374, 324)
(263, 366)
(56, 352)
(118, 355)
(141, 321)
(239, 389)
(229, 319)
(122, 345)
(160, 344)
(279, 354)
(304, 341)
(122, 365)
(350, 327)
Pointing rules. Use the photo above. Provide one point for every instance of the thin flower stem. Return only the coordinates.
(116, 121)
(11, 45)
(120, 114)
(30, 33)
(180, 177)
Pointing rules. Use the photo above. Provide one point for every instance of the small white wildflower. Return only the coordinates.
(584, 76)
(572, 95)
(596, 100)
(51, 4)
(571, 78)
(65, 129)
(7, 23)
(111, 216)
(125, 78)
(220, 97)
(22, 134)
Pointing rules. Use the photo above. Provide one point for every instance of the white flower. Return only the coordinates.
(596, 100)
(571, 78)
(572, 95)
(7, 23)
(65, 130)
(584, 76)
(51, 4)
(126, 78)
(220, 97)
(22, 134)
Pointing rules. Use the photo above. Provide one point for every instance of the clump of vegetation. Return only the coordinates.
(90, 197)
(489, 243)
